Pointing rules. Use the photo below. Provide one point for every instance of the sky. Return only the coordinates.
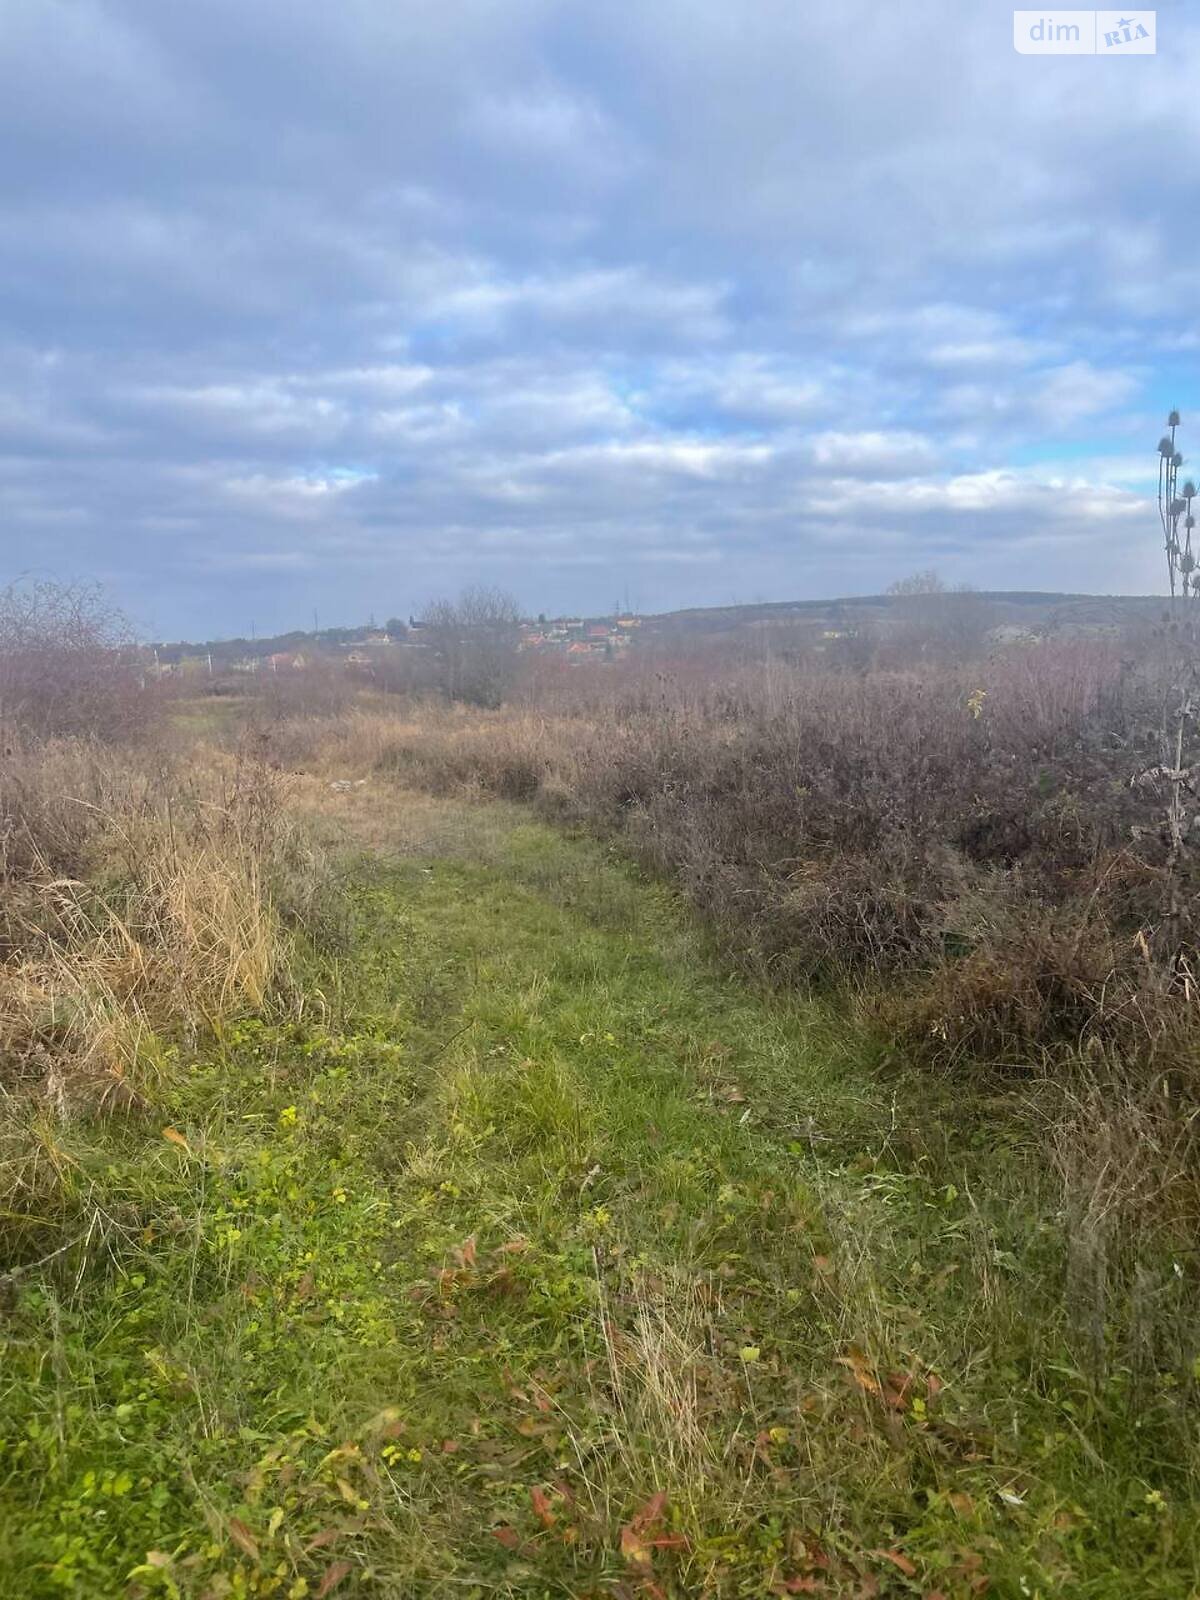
(336, 308)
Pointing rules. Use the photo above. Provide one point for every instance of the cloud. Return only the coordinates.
(1078, 390)
(868, 452)
(359, 302)
(601, 304)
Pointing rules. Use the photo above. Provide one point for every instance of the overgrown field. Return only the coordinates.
(542, 1258)
(769, 1170)
(981, 853)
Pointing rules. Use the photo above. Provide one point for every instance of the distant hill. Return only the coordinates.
(1035, 610)
(1038, 611)
(225, 651)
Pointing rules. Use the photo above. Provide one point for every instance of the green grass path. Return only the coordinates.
(542, 1258)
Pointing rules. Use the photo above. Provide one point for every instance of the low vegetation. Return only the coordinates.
(716, 1129)
(975, 859)
(68, 667)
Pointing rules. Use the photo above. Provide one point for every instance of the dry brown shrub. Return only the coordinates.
(321, 688)
(972, 832)
(69, 666)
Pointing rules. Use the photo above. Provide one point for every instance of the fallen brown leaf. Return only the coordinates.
(333, 1576)
(860, 1369)
(652, 1510)
(243, 1538)
(540, 1501)
(633, 1547)
(465, 1254)
(899, 1560)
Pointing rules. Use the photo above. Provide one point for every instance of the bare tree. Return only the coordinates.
(69, 664)
(917, 583)
(938, 623)
(475, 640)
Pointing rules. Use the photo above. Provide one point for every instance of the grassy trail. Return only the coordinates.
(540, 1258)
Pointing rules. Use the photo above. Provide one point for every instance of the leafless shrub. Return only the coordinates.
(69, 666)
(320, 688)
(932, 623)
(474, 642)
(409, 669)
(967, 831)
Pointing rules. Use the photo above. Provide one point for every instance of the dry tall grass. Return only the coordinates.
(140, 905)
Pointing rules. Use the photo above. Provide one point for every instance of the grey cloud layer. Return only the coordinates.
(350, 304)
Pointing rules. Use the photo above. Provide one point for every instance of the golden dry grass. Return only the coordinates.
(136, 904)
